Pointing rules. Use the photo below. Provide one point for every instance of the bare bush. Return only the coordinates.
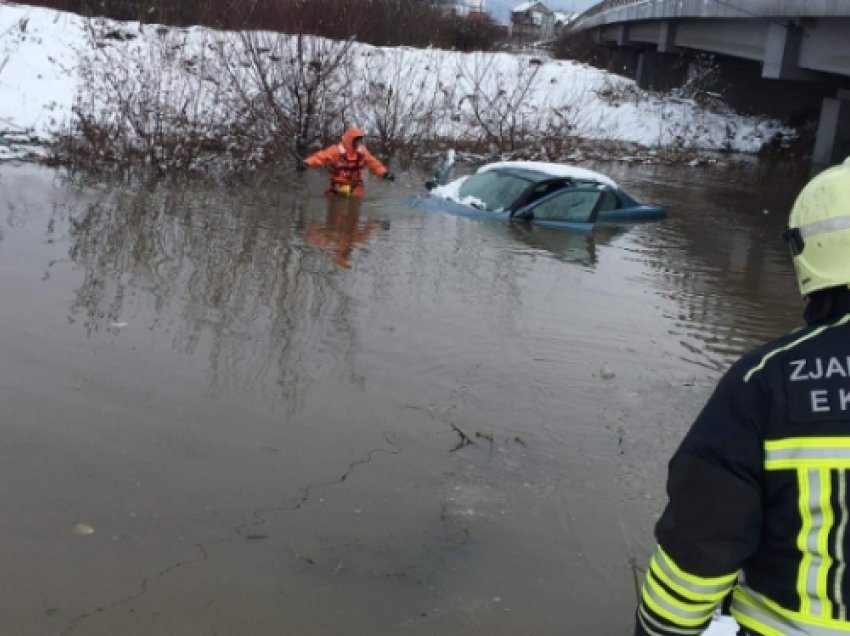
(557, 133)
(250, 98)
(402, 102)
(582, 46)
(617, 91)
(499, 100)
(289, 91)
(157, 105)
(181, 99)
(701, 82)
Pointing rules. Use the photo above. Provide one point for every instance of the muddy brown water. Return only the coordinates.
(242, 410)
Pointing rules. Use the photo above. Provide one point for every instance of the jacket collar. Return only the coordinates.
(357, 151)
(827, 305)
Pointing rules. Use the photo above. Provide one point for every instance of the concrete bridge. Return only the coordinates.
(777, 56)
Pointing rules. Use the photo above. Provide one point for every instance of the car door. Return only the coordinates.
(574, 208)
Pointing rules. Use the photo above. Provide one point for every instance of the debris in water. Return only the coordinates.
(118, 325)
(605, 373)
(82, 529)
(465, 440)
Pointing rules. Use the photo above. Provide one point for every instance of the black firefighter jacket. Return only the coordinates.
(759, 500)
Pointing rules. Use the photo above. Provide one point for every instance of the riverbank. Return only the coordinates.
(101, 92)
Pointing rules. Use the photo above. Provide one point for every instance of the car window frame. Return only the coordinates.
(516, 201)
(527, 212)
(615, 195)
(558, 184)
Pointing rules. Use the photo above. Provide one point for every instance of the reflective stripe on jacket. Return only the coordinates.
(759, 495)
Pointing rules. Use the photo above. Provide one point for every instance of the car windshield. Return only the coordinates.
(494, 189)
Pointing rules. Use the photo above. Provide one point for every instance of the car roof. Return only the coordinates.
(535, 177)
(544, 171)
(527, 175)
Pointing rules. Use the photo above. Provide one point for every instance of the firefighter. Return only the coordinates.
(759, 498)
(346, 162)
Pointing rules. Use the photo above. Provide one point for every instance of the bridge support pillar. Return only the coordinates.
(660, 71)
(781, 53)
(666, 37)
(833, 139)
(622, 35)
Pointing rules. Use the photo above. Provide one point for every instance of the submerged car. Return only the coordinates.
(546, 194)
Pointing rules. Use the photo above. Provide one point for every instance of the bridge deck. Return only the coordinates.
(630, 10)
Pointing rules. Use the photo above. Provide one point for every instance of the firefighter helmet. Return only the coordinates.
(818, 233)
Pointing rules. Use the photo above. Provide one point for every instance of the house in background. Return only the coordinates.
(532, 21)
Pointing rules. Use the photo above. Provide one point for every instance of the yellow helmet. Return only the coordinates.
(818, 233)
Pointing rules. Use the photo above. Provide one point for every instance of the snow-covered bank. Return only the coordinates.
(147, 90)
(38, 77)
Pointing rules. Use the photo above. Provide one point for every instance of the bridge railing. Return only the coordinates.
(602, 7)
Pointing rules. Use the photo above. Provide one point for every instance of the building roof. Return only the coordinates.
(525, 6)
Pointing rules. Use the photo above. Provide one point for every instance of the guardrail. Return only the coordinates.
(765, 9)
(602, 7)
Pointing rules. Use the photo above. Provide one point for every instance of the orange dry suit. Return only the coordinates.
(346, 164)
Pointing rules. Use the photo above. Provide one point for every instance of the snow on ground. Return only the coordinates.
(40, 78)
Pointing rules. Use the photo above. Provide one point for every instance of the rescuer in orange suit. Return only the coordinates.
(346, 162)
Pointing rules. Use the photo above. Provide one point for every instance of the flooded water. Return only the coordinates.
(243, 410)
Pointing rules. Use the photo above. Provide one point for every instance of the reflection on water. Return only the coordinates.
(225, 267)
(341, 231)
(571, 247)
(719, 256)
(252, 393)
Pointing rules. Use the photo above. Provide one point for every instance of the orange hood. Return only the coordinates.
(348, 138)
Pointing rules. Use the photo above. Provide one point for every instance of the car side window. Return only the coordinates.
(540, 191)
(609, 202)
(575, 205)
